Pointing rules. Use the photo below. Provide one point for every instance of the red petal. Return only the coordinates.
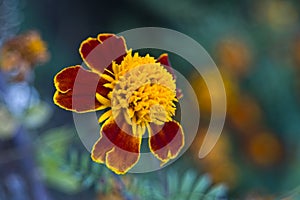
(103, 36)
(64, 80)
(166, 140)
(79, 97)
(75, 103)
(99, 53)
(87, 46)
(164, 60)
(122, 136)
(117, 148)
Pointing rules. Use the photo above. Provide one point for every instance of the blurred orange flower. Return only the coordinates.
(203, 95)
(137, 93)
(277, 14)
(296, 50)
(234, 56)
(22, 53)
(110, 196)
(265, 149)
(218, 163)
(245, 116)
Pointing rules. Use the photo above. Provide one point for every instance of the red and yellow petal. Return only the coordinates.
(98, 53)
(164, 60)
(166, 140)
(117, 147)
(103, 36)
(79, 97)
(101, 89)
(64, 80)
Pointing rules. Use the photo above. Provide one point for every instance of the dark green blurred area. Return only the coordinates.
(255, 44)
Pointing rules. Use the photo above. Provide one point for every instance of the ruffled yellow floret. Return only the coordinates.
(143, 92)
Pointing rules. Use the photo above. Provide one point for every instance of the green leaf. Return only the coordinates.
(176, 187)
(173, 182)
(187, 183)
(202, 184)
(85, 164)
(217, 192)
(37, 115)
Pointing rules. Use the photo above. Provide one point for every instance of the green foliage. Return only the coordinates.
(51, 150)
(89, 173)
(68, 168)
(37, 115)
(71, 171)
(177, 187)
(7, 123)
(293, 194)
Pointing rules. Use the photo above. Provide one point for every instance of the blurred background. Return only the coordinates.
(256, 46)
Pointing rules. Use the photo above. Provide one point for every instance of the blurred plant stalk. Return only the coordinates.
(20, 179)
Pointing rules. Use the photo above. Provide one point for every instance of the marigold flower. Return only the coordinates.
(265, 149)
(22, 53)
(218, 163)
(203, 95)
(245, 115)
(276, 14)
(296, 50)
(234, 56)
(137, 93)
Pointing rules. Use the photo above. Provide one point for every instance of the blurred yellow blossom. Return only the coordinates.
(218, 163)
(279, 15)
(23, 52)
(245, 116)
(110, 196)
(233, 56)
(296, 50)
(265, 149)
(203, 95)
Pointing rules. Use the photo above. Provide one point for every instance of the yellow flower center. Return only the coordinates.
(143, 92)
